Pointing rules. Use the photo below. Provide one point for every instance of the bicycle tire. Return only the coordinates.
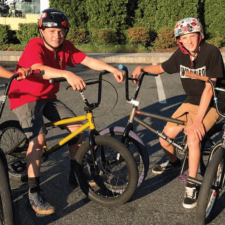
(6, 204)
(211, 185)
(136, 147)
(12, 133)
(212, 137)
(103, 187)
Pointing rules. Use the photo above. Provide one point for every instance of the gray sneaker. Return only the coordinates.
(166, 167)
(190, 197)
(39, 204)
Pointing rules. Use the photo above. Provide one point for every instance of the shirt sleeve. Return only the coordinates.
(172, 64)
(33, 49)
(76, 56)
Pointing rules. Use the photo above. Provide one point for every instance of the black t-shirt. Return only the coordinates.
(209, 62)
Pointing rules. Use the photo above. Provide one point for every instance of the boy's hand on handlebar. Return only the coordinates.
(119, 75)
(76, 82)
(136, 73)
(23, 73)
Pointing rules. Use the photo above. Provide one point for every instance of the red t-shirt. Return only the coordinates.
(33, 88)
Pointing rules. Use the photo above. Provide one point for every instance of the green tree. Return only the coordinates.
(74, 9)
(214, 18)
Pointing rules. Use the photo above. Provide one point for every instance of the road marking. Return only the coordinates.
(160, 89)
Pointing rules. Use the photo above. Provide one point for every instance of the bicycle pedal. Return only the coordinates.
(18, 166)
(183, 177)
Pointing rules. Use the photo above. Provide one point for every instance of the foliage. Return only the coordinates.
(156, 14)
(139, 35)
(75, 10)
(4, 31)
(214, 17)
(217, 40)
(104, 36)
(165, 38)
(27, 32)
(79, 36)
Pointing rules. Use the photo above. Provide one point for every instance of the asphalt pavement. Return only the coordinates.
(159, 199)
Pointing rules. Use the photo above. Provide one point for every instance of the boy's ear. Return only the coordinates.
(41, 32)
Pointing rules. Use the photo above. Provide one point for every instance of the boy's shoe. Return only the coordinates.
(190, 197)
(39, 204)
(166, 167)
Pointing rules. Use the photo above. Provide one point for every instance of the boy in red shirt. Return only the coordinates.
(34, 97)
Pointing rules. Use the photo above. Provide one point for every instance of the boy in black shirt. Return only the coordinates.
(197, 57)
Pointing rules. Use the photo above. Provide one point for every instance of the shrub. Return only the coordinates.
(104, 36)
(217, 41)
(27, 32)
(4, 31)
(79, 36)
(138, 35)
(165, 38)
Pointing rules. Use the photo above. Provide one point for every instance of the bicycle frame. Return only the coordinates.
(89, 124)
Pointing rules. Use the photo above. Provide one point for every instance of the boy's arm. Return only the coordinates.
(5, 73)
(75, 81)
(206, 97)
(154, 69)
(99, 65)
(8, 74)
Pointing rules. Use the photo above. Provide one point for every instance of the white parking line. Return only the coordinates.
(160, 89)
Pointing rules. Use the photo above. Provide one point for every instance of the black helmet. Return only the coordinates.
(53, 18)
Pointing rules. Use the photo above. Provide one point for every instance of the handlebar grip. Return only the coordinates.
(122, 67)
(198, 77)
(55, 80)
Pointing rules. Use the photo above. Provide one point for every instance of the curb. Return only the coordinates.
(9, 57)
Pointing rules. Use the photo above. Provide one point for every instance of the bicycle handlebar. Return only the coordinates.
(127, 78)
(207, 79)
(99, 82)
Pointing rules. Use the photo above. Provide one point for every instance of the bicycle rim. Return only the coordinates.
(115, 180)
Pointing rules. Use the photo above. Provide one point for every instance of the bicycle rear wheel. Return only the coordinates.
(212, 184)
(6, 205)
(136, 147)
(115, 180)
(11, 136)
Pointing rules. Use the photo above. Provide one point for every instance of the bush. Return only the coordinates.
(27, 32)
(217, 41)
(104, 36)
(79, 36)
(139, 35)
(4, 31)
(165, 38)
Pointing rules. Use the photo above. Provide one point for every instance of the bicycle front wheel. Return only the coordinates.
(6, 205)
(12, 137)
(211, 186)
(112, 179)
(135, 146)
(212, 137)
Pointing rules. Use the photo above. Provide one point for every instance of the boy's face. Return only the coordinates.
(53, 36)
(190, 41)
